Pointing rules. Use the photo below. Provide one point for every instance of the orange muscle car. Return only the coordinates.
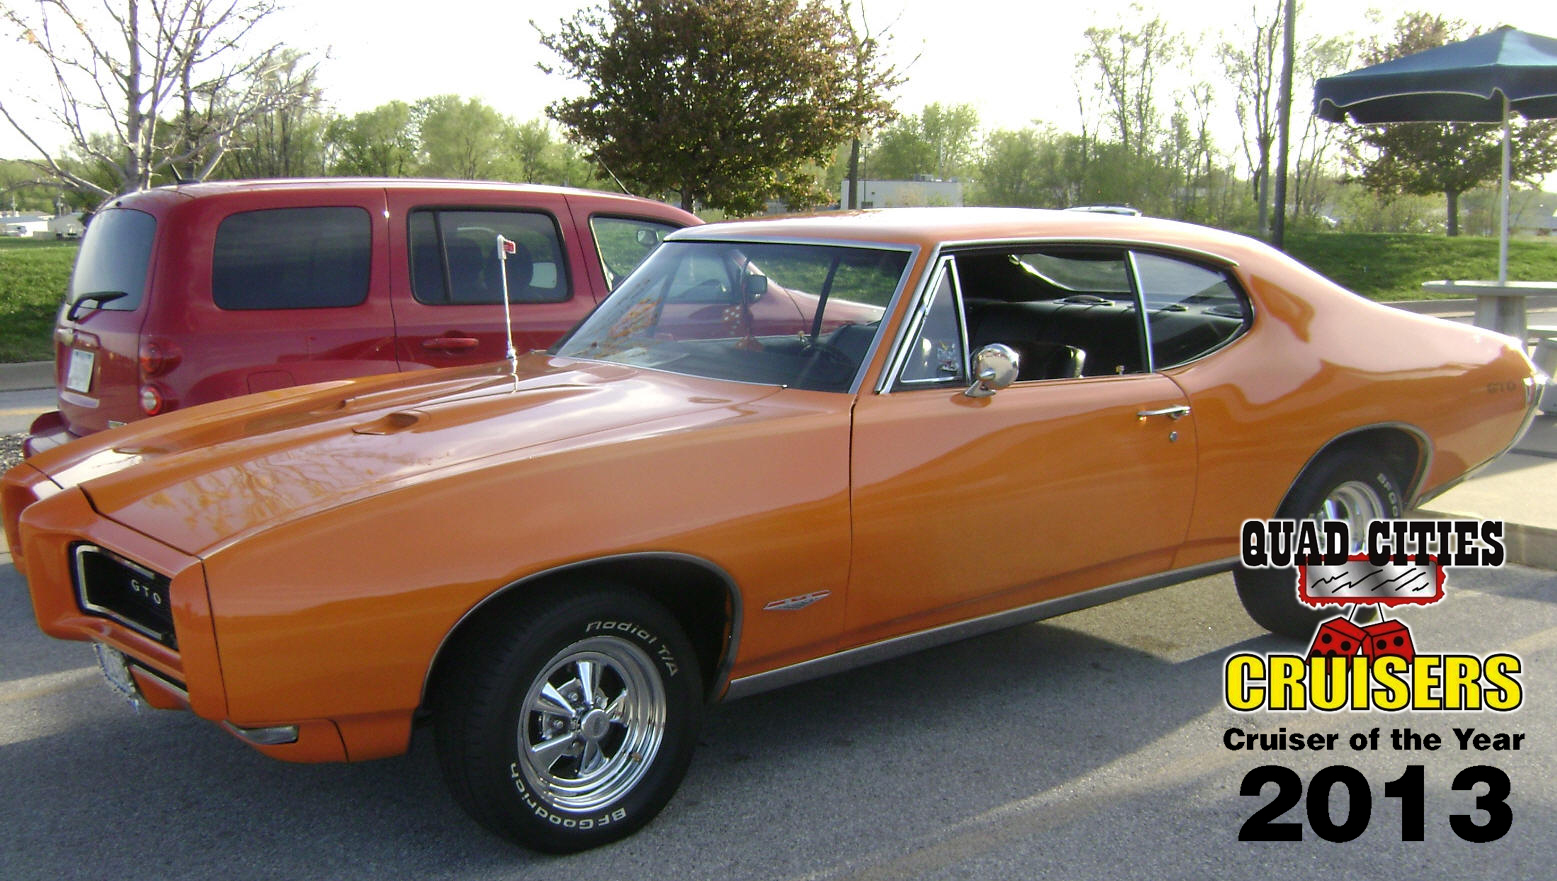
(975, 418)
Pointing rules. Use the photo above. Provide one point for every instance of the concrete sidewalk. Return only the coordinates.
(1521, 490)
(27, 375)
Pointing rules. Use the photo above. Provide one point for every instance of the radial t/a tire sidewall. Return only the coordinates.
(481, 752)
(1270, 595)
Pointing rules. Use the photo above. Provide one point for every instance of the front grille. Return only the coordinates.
(109, 585)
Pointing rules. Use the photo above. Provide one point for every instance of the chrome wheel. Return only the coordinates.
(591, 724)
(1356, 503)
(1345, 486)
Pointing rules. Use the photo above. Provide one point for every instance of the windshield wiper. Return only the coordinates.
(98, 297)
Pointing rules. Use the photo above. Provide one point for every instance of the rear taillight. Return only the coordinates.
(154, 399)
(157, 357)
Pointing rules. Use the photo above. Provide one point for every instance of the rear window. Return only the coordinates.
(292, 258)
(114, 258)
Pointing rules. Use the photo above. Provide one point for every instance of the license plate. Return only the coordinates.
(79, 377)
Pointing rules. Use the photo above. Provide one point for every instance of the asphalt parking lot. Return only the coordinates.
(1089, 746)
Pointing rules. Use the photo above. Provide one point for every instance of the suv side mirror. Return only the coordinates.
(994, 368)
(755, 286)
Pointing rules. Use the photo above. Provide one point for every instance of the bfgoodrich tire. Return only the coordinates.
(1344, 486)
(570, 723)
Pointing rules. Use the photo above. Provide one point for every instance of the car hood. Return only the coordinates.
(197, 477)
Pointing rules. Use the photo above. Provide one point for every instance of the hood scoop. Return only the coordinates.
(393, 423)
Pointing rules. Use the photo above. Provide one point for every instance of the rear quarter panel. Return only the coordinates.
(1320, 363)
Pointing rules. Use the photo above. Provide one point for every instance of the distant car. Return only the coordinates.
(194, 293)
(977, 418)
(1125, 210)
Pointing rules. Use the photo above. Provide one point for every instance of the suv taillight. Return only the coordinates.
(153, 399)
(157, 357)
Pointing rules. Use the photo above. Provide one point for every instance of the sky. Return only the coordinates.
(1013, 60)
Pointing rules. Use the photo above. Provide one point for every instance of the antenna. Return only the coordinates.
(608, 170)
(505, 247)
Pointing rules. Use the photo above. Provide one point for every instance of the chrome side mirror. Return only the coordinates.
(994, 368)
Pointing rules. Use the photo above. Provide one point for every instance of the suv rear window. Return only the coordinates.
(114, 258)
(454, 257)
(292, 258)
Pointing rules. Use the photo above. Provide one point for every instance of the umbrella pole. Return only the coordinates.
(1503, 201)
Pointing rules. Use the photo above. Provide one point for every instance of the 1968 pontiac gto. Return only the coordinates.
(975, 418)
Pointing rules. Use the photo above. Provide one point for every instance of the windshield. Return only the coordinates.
(795, 315)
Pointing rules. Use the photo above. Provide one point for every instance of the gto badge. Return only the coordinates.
(790, 604)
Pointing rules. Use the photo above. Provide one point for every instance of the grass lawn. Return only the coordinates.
(33, 278)
(1383, 266)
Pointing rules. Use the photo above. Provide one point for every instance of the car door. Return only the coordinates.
(449, 291)
(965, 506)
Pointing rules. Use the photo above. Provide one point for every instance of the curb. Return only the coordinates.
(1533, 546)
(27, 375)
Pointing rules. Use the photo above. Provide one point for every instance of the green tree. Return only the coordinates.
(381, 142)
(1448, 158)
(939, 142)
(724, 102)
(1024, 168)
(462, 138)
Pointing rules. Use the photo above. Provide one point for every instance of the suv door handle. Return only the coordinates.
(1175, 413)
(450, 343)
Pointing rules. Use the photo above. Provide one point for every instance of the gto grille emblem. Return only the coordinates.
(145, 591)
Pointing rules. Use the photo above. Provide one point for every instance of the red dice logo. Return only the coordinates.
(1336, 638)
(1388, 638)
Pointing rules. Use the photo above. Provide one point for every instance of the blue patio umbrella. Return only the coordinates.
(1483, 79)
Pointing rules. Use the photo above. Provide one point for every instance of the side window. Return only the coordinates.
(1067, 311)
(623, 242)
(454, 258)
(1191, 310)
(292, 258)
(936, 354)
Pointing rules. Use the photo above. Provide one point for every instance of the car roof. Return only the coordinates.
(204, 189)
(932, 227)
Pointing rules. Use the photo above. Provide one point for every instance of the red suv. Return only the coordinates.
(191, 293)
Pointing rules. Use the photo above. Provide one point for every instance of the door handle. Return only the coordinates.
(1176, 412)
(450, 343)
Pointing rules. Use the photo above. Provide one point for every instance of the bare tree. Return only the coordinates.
(1124, 62)
(1251, 66)
(870, 80)
(148, 88)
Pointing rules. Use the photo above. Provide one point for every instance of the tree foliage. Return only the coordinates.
(1422, 158)
(149, 89)
(724, 102)
(382, 142)
(938, 142)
